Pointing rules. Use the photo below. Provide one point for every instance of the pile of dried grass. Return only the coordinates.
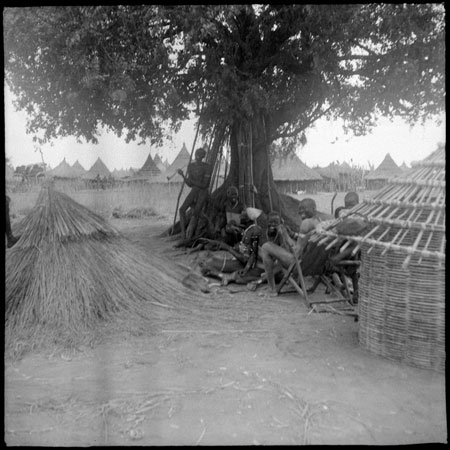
(134, 213)
(71, 272)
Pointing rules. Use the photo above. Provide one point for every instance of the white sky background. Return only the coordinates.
(325, 143)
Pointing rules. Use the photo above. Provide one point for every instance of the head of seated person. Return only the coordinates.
(351, 199)
(232, 194)
(308, 213)
(273, 222)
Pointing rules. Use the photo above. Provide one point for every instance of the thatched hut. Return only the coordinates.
(378, 177)
(159, 163)
(402, 285)
(63, 171)
(149, 169)
(181, 161)
(78, 169)
(98, 169)
(31, 173)
(291, 175)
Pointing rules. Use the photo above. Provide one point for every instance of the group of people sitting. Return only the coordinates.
(249, 254)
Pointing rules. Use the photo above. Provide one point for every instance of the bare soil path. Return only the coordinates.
(279, 376)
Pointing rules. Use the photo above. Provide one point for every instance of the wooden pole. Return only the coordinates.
(182, 185)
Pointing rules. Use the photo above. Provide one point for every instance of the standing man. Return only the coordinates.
(198, 177)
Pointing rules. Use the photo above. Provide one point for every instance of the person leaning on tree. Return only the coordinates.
(198, 177)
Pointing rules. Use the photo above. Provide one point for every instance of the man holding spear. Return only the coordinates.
(198, 177)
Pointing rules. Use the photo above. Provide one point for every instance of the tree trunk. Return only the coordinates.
(250, 171)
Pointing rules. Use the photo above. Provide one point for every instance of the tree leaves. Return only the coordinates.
(136, 68)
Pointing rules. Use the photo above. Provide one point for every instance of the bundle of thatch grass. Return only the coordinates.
(71, 272)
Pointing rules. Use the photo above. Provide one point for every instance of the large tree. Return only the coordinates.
(253, 74)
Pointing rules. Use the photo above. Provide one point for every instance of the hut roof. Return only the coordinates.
(180, 162)
(407, 215)
(330, 171)
(386, 170)
(98, 168)
(63, 170)
(293, 169)
(31, 170)
(149, 169)
(157, 159)
(345, 168)
(404, 166)
(78, 169)
(118, 173)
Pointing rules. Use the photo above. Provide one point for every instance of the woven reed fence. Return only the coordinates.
(402, 310)
(402, 278)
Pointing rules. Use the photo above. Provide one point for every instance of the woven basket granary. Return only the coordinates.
(402, 278)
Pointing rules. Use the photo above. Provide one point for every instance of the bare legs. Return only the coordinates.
(271, 253)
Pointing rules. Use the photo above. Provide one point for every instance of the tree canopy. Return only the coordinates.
(136, 69)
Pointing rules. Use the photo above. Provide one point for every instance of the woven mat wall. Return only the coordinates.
(402, 311)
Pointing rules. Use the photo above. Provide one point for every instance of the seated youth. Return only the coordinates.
(280, 250)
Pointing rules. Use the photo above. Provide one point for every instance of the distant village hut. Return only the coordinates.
(148, 173)
(159, 163)
(149, 169)
(340, 177)
(291, 175)
(402, 284)
(98, 175)
(181, 161)
(30, 174)
(377, 179)
(65, 176)
(63, 171)
(78, 169)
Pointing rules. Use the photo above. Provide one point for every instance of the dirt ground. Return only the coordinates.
(287, 376)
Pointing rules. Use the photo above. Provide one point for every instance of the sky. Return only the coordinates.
(326, 143)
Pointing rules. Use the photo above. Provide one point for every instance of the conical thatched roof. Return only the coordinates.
(180, 162)
(78, 169)
(119, 173)
(149, 168)
(63, 170)
(98, 168)
(386, 170)
(344, 168)
(159, 164)
(404, 166)
(291, 168)
(331, 171)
